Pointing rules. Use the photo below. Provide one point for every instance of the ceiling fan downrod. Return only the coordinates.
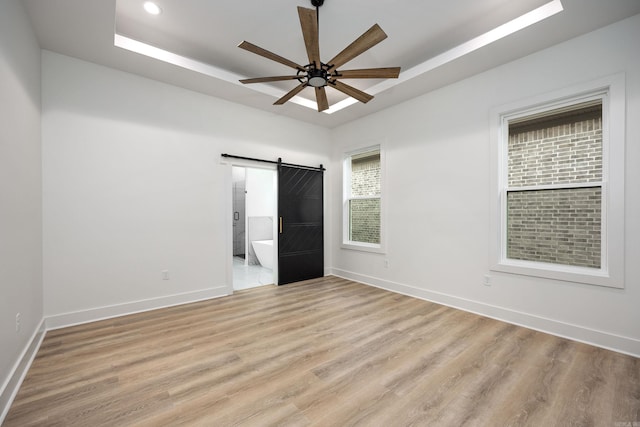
(317, 77)
(317, 4)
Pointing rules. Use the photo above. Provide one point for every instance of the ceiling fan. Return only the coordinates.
(318, 74)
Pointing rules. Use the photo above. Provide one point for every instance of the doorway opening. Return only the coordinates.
(254, 225)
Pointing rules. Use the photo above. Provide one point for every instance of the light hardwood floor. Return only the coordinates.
(323, 352)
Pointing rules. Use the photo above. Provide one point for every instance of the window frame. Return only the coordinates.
(346, 198)
(611, 90)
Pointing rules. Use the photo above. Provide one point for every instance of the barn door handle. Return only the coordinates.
(280, 225)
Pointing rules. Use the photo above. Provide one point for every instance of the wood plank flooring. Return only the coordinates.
(326, 352)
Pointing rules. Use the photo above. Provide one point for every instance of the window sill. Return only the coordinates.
(363, 247)
(566, 273)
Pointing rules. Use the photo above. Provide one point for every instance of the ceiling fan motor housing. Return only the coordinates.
(317, 77)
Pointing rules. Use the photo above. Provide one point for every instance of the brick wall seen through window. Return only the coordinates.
(554, 193)
(364, 203)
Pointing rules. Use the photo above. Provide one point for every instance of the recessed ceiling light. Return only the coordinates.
(152, 8)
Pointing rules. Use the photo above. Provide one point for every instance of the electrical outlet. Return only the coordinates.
(18, 321)
(487, 280)
(165, 274)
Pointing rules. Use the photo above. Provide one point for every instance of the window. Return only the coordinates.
(560, 183)
(362, 200)
(554, 186)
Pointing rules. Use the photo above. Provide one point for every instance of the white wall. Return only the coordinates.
(20, 189)
(438, 190)
(133, 185)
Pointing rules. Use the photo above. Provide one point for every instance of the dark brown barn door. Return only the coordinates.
(301, 233)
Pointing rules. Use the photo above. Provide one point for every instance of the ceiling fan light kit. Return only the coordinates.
(318, 74)
(317, 77)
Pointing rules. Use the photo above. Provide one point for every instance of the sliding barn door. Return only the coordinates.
(301, 234)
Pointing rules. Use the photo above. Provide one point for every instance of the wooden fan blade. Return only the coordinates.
(309, 25)
(321, 97)
(293, 92)
(366, 41)
(352, 91)
(269, 55)
(269, 79)
(370, 73)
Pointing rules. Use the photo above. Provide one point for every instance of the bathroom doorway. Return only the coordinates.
(254, 210)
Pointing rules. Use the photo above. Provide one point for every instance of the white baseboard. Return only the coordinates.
(100, 313)
(13, 382)
(582, 334)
